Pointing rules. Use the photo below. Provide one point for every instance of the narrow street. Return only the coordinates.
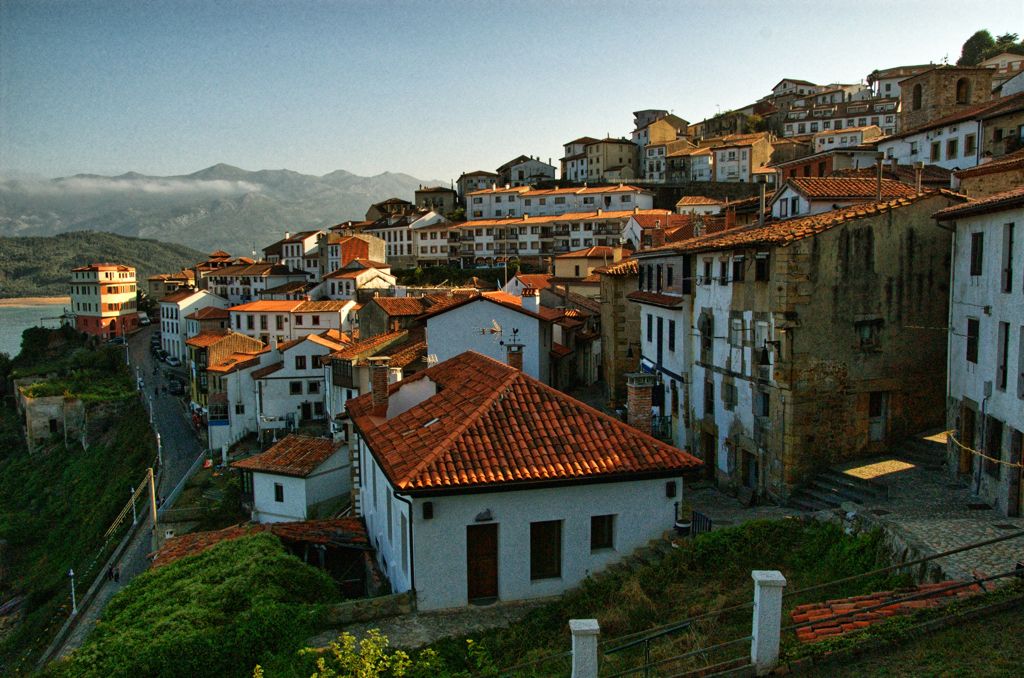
(180, 449)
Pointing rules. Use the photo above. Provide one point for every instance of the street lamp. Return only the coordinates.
(74, 603)
(159, 452)
(135, 519)
(150, 409)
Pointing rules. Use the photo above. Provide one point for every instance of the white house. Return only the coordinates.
(698, 204)
(801, 196)
(986, 345)
(528, 490)
(173, 309)
(231, 403)
(487, 322)
(504, 202)
(430, 238)
(525, 170)
(242, 283)
(295, 477)
(574, 162)
(357, 275)
(290, 388)
(522, 281)
(285, 320)
(846, 138)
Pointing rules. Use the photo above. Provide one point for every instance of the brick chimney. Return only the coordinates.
(379, 379)
(639, 394)
(515, 356)
(531, 299)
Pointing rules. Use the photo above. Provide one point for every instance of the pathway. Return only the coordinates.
(180, 449)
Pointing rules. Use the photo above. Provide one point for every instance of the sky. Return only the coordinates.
(430, 88)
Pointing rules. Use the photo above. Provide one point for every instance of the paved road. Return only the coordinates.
(180, 449)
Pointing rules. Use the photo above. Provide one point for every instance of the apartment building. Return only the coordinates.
(103, 299)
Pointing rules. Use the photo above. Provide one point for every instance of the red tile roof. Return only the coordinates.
(1005, 163)
(369, 344)
(266, 371)
(492, 425)
(656, 299)
(626, 267)
(206, 339)
(697, 200)
(993, 203)
(401, 306)
(293, 455)
(559, 351)
(235, 361)
(179, 295)
(268, 305)
(333, 532)
(790, 230)
(598, 252)
(836, 187)
(538, 281)
(209, 313)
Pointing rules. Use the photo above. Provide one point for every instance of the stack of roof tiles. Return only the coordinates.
(491, 424)
(842, 615)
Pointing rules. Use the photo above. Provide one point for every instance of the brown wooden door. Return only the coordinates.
(482, 561)
(966, 439)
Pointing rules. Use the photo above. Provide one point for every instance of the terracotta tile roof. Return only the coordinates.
(104, 267)
(400, 306)
(179, 295)
(598, 252)
(333, 532)
(626, 267)
(362, 346)
(538, 281)
(993, 203)
(843, 615)
(696, 200)
(266, 371)
(268, 305)
(664, 221)
(492, 425)
(664, 300)
(346, 274)
(370, 263)
(286, 288)
(293, 455)
(207, 339)
(842, 187)
(407, 352)
(498, 297)
(209, 313)
(559, 351)
(235, 361)
(1005, 163)
(320, 306)
(791, 230)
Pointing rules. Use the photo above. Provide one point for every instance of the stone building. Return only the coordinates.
(801, 344)
(940, 91)
(620, 327)
(992, 177)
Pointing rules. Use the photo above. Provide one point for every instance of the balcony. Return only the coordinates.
(607, 230)
(467, 237)
(560, 231)
(466, 251)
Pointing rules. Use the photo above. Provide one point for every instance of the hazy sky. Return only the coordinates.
(427, 88)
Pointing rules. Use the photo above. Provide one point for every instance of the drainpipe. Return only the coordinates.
(412, 544)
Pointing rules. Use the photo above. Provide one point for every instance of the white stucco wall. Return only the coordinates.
(458, 330)
(266, 510)
(902, 149)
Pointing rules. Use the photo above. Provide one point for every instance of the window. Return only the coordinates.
(300, 362)
(669, 276)
(729, 396)
(1002, 352)
(650, 327)
(278, 492)
(762, 404)
(993, 445)
(868, 333)
(936, 151)
(249, 322)
(736, 328)
(761, 267)
(672, 335)
(723, 272)
(316, 320)
(709, 397)
(963, 91)
(1007, 268)
(977, 252)
(973, 330)
(707, 271)
(602, 532)
(952, 149)
(239, 408)
(737, 269)
(970, 145)
(298, 320)
(546, 550)
(312, 387)
(295, 387)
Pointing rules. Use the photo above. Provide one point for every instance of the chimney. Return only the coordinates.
(287, 234)
(515, 356)
(636, 210)
(530, 299)
(879, 158)
(894, 164)
(639, 395)
(918, 174)
(379, 379)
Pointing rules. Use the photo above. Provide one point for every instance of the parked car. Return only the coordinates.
(144, 320)
(163, 355)
(173, 361)
(118, 341)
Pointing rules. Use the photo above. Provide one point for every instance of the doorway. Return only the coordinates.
(1015, 504)
(482, 563)
(967, 425)
(307, 411)
(709, 449)
(877, 415)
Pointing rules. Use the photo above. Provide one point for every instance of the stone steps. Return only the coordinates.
(831, 489)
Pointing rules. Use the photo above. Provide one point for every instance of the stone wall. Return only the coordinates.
(620, 327)
(667, 195)
(939, 94)
(984, 185)
(368, 609)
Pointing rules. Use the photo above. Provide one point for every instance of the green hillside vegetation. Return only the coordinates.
(56, 504)
(217, 613)
(41, 266)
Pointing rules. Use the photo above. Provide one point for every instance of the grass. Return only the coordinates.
(217, 613)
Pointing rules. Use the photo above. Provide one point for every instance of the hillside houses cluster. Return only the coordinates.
(752, 298)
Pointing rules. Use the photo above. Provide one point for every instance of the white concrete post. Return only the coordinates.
(584, 647)
(767, 625)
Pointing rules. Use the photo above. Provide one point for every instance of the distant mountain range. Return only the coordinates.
(220, 207)
(35, 267)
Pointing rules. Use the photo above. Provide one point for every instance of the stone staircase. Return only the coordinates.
(831, 489)
(925, 449)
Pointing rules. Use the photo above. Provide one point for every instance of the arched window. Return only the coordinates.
(916, 99)
(963, 91)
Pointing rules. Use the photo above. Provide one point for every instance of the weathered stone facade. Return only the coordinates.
(620, 328)
(940, 91)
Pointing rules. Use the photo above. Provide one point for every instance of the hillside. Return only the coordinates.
(40, 266)
(220, 207)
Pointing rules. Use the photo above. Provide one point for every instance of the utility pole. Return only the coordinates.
(159, 452)
(135, 519)
(152, 496)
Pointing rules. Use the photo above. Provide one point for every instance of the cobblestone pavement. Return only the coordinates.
(180, 449)
(412, 631)
(726, 511)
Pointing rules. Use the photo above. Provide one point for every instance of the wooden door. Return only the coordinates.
(307, 411)
(482, 562)
(1016, 497)
(966, 439)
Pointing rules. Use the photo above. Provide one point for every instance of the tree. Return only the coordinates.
(975, 47)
